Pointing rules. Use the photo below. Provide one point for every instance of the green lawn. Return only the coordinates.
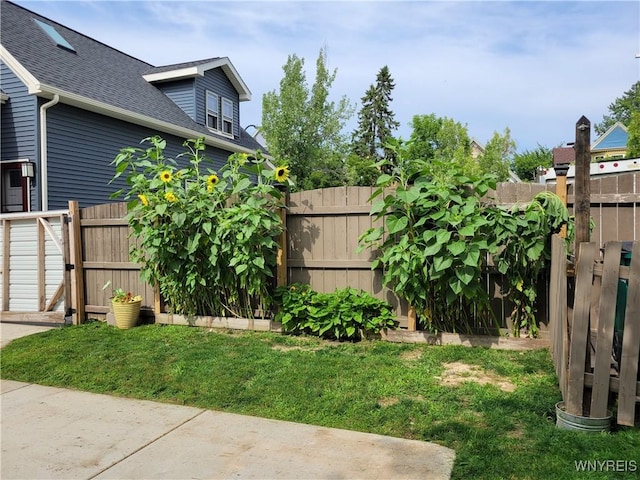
(500, 429)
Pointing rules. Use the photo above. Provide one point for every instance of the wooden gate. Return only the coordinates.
(34, 256)
(596, 348)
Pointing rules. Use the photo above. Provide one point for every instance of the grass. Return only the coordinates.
(372, 386)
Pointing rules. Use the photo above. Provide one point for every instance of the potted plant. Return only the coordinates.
(126, 308)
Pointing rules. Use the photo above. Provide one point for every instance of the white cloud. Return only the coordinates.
(533, 66)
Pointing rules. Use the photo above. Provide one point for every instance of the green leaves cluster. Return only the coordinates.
(206, 238)
(438, 232)
(343, 315)
(525, 252)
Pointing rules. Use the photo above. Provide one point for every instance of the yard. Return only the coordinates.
(495, 408)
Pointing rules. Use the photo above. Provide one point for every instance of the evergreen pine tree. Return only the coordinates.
(376, 123)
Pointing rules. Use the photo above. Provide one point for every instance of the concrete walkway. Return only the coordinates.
(59, 433)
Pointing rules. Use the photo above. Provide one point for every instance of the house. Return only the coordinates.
(69, 103)
(611, 145)
(608, 156)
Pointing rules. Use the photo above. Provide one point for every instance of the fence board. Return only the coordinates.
(558, 310)
(630, 344)
(608, 292)
(580, 328)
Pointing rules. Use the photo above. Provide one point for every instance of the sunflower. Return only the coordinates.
(143, 198)
(170, 197)
(282, 173)
(212, 180)
(166, 176)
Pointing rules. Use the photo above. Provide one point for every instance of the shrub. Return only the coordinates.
(207, 238)
(438, 232)
(344, 314)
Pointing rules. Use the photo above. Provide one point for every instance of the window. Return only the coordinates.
(213, 104)
(54, 35)
(227, 116)
(219, 114)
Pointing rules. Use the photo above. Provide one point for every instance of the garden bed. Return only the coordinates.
(257, 324)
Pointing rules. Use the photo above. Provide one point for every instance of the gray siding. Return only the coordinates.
(217, 82)
(19, 116)
(183, 94)
(18, 120)
(82, 146)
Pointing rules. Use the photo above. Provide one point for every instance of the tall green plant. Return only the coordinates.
(206, 238)
(434, 239)
(526, 251)
(438, 232)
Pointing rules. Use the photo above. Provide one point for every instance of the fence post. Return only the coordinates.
(281, 262)
(582, 203)
(561, 189)
(411, 319)
(77, 276)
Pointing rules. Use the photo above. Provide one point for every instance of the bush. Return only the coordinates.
(343, 315)
(206, 238)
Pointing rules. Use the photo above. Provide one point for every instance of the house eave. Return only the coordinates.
(68, 98)
(199, 70)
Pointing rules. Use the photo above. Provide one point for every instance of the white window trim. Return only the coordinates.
(215, 112)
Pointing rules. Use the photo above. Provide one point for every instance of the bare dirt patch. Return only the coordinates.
(289, 348)
(385, 402)
(456, 373)
(411, 355)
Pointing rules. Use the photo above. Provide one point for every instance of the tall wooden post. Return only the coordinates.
(281, 259)
(582, 203)
(561, 189)
(77, 274)
(582, 212)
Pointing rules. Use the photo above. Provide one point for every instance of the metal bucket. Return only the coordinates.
(567, 421)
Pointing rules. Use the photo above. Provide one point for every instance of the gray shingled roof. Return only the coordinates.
(95, 71)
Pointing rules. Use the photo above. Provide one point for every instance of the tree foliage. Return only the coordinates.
(498, 154)
(633, 143)
(526, 163)
(376, 123)
(303, 127)
(621, 109)
(440, 141)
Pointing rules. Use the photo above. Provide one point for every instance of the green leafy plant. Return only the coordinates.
(345, 314)
(434, 239)
(526, 251)
(120, 296)
(207, 238)
(437, 232)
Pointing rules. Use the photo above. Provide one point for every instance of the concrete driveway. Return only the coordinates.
(57, 433)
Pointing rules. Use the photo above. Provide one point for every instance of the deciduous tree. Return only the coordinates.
(303, 128)
(526, 163)
(621, 109)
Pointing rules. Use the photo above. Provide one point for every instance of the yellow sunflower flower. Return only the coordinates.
(282, 173)
(143, 198)
(212, 180)
(170, 197)
(166, 176)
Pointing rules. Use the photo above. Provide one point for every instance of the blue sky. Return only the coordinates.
(532, 66)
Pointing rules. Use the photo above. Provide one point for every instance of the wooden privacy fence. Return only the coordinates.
(595, 347)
